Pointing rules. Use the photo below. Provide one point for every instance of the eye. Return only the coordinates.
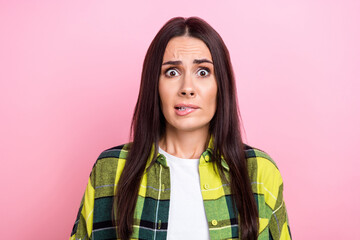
(171, 72)
(204, 72)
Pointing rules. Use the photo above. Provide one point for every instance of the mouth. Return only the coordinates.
(185, 109)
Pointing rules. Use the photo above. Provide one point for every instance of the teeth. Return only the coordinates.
(182, 108)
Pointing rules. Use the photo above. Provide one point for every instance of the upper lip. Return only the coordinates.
(186, 105)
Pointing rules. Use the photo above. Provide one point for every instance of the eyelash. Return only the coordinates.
(173, 68)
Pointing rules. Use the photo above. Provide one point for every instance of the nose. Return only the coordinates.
(187, 89)
(187, 92)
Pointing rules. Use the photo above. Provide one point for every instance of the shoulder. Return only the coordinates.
(262, 168)
(255, 154)
(265, 177)
(108, 161)
(119, 151)
(116, 152)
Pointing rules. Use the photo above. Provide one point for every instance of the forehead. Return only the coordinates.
(185, 46)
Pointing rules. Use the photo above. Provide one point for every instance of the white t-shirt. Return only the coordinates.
(187, 218)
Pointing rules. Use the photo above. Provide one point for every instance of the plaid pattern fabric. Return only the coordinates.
(151, 212)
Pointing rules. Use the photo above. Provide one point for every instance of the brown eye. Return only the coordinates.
(204, 72)
(171, 72)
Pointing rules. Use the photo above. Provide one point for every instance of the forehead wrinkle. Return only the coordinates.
(196, 52)
(180, 46)
(187, 51)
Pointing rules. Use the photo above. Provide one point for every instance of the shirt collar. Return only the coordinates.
(205, 158)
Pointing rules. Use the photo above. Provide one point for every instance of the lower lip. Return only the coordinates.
(184, 112)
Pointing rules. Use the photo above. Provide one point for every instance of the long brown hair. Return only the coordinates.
(148, 126)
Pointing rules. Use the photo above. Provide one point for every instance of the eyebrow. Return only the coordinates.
(196, 61)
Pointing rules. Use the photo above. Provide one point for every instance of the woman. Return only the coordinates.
(186, 174)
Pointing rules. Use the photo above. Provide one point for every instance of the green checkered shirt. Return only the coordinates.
(152, 208)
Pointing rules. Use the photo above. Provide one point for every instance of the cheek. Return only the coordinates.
(164, 96)
(213, 104)
(162, 92)
(213, 95)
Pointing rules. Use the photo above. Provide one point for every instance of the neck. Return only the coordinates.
(182, 144)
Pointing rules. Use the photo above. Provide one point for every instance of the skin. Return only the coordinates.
(189, 83)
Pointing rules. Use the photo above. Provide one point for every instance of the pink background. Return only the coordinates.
(70, 73)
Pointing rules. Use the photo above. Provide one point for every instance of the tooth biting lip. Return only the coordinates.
(182, 106)
(185, 109)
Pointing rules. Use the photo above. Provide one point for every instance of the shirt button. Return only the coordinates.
(206, 186)
(214, 222)
(207, 158)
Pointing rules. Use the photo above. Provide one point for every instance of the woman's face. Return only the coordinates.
(187, 85)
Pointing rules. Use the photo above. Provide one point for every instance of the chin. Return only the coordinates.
(190, 127)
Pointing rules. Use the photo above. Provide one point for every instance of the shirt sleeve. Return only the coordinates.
(279, 221)
(268, 185)
(84, 221)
